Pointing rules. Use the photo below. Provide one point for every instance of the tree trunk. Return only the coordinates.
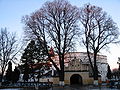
(2, 75)
(61, 74)
(1, 79)
(95, 73)
(61, 78)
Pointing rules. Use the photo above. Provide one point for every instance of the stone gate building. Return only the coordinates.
(78, 70)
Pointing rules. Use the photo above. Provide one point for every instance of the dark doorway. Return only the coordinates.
(76, 79)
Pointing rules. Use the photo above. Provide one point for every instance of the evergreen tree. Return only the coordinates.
(26, 72)
(28, 55)
(109, 73)
(9, 72)
(33, 54)
(16, 75)
(40, 53)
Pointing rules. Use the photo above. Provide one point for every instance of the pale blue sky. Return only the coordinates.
(11, 12)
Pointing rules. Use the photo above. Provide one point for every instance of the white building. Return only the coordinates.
(83, 58)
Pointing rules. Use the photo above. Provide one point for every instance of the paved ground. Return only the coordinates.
(73, 87)
(76, 87)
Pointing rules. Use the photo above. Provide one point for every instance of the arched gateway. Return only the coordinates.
(76, 79)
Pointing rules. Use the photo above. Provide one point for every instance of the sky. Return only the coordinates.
(11, 12)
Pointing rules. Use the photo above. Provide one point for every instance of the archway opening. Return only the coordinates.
(76, 79)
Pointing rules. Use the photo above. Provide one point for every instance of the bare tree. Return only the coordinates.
(7, 49)
(55, 23)
(99, 31)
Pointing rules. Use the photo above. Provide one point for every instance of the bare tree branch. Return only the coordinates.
(99, 31)
(57, 22)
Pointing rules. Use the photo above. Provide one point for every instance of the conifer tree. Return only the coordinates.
(9, 72)
(33, 54)
(28, 55)
(26, 72)
(16, 75)
(109, 73)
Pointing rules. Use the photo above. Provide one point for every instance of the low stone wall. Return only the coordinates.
(55, 80)
(86, 80)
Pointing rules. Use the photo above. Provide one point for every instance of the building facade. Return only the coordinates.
(78, 69)
(77, 65)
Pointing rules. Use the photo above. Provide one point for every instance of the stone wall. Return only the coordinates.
(55, 80)
(84, 75)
